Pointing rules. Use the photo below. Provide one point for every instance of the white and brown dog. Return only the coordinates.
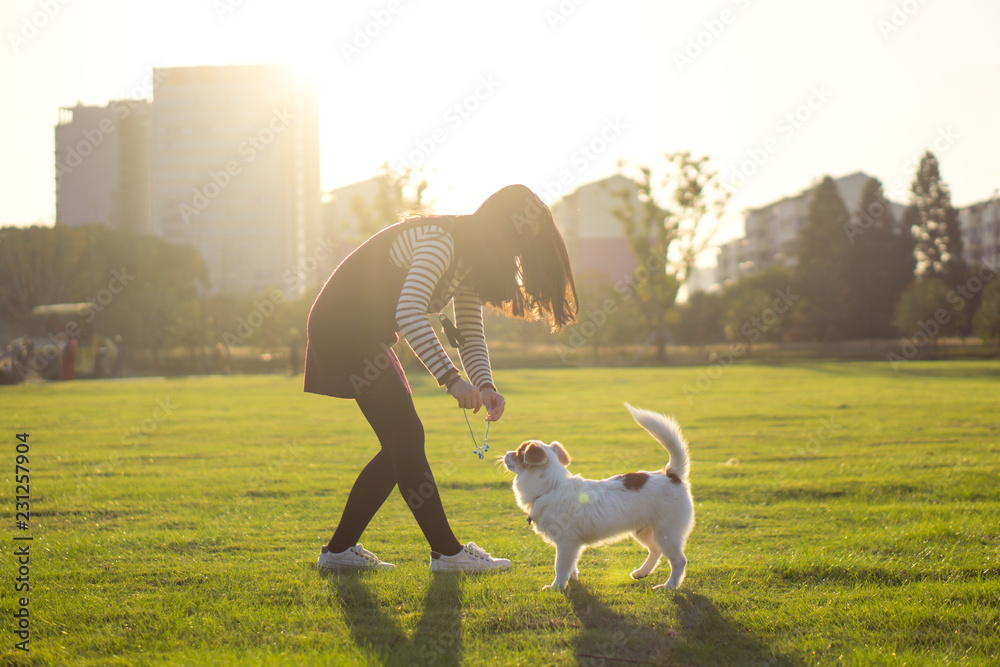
(573, 513)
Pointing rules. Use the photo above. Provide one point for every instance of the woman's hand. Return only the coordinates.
(494, 402)
(467, 395)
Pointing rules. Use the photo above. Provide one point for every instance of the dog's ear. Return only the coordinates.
(561, 453)
(534, 454)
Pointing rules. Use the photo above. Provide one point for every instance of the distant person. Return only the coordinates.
(69, 359)
(508, 254)
(119, 365)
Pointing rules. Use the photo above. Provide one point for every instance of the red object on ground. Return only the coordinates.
(69, 360)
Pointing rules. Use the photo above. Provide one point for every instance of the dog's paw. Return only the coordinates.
(665, 587)
(638, 574)
(553, 587)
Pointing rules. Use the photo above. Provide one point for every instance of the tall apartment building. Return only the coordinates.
(980, 224)
(594, 237)
(235, 171)
(102, 165)
(772, 231)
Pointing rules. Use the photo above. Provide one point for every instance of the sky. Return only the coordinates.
(552, 94)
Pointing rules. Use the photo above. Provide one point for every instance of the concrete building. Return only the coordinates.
(772, 231)
(340, 222)
(235, 172)
(594, 237)
(102, 165)
(980, 224)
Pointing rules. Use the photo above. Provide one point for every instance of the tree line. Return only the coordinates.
(155, 298)
(864, 275)
(859, 275)
(150, 295)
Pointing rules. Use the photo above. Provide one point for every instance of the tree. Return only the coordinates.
(665, 225)
(879, 265)
(925, 310)
(699, 320)
(750, 315)
(605, 318)
(165, 277)
(821, 272)
(938, 250)
(43, 265)
(136, 283)
(987, 320)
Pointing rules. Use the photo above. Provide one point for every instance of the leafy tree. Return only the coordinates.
(606, 317)
(750, 312)
(165, 277)
(136, 283)
(987, 320)
(665, 222)
(699, 320)
(43, 265)
(925, 307)
(821, 272)
(938, 250)
(879, 265)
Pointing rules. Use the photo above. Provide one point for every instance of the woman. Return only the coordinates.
(508, 254)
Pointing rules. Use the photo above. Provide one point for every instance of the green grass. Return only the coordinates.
(845, 514)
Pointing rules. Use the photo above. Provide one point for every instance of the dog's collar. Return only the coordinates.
(529, 519)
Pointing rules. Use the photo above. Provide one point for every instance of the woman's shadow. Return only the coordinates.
(437, 639)
(704, 636)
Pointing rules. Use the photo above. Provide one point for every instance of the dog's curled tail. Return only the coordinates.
(668, 433)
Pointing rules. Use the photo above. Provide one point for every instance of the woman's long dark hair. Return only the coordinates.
(517, 257)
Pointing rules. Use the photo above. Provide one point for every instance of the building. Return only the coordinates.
(980, 225)
(234, 172)
(772, 231)
(342, 206)
(102, 165)
(595, 238)
(340, 221)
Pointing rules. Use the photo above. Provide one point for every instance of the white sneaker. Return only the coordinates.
(354, 558)
(470, 559)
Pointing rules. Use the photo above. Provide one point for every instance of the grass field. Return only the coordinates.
(846, 514)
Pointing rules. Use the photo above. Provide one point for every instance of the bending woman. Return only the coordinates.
(508, 254)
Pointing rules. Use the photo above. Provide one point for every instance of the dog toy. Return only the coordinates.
(486, 447)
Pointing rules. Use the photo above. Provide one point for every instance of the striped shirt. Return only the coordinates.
(427, 252)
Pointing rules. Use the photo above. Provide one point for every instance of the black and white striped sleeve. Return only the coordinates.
(431, 256)
(469, 320)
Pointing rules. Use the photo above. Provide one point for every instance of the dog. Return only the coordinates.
(572, 513)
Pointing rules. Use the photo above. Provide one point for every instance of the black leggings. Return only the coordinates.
(400, 462)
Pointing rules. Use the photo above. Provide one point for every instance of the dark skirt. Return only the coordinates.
(348, 370)
(349, 337)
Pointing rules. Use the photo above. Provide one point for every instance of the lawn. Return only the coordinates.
(846, 513)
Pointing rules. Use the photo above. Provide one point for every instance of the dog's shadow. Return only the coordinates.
(704, 636)
(437, 639)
